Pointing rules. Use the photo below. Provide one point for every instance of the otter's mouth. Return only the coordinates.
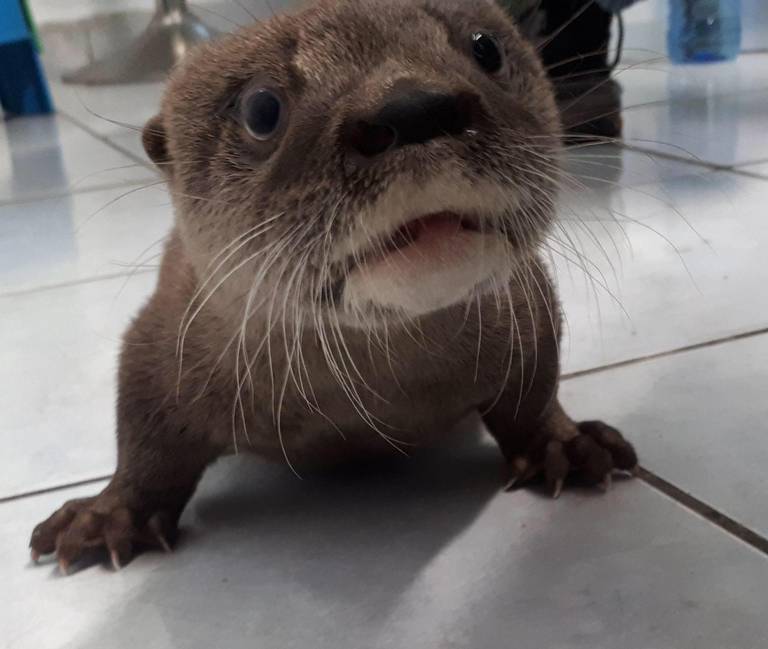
(420, 248)
(421, 236)
(426, 264)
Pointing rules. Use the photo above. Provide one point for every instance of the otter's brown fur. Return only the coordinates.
(247, 344)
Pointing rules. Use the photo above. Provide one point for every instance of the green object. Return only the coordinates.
(31, 24)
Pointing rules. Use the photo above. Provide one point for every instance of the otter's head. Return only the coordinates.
(361, 159)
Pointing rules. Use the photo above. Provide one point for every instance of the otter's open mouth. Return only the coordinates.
(422, 236)
(427, 264)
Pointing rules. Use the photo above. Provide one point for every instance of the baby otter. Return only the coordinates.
(361, 191)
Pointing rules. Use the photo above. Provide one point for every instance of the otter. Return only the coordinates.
(362, 190)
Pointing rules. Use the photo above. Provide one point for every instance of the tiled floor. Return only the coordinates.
(668, 340)
(55, 156)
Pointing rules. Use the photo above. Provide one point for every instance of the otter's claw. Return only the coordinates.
(589, 458)
(86, 524)
(606, 484)
(163, 543)
(511, 484)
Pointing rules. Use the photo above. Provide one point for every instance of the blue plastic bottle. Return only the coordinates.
(702, 31)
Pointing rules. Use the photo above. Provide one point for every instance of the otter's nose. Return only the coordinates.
(412, 116)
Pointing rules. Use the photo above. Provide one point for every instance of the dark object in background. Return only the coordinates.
(574, 38)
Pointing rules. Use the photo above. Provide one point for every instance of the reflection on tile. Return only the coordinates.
(607, 168)
(722, 129)
(651, 77)
(78, 237)
(424, 553)
(699, 419)
(684, 264)
(45, 156)
(57, 380)
(761, 169)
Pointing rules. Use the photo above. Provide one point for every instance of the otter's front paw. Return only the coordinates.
(588, 458)
(101, 522)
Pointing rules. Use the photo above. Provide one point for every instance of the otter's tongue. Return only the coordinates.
(428, 241)
(426, 230)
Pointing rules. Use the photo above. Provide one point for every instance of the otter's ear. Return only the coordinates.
(155, 142)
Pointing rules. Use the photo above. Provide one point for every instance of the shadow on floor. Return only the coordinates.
(305, 560)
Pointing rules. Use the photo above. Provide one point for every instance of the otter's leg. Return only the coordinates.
(140, 507)
(538, 438)
(160, 461)
(554, 447)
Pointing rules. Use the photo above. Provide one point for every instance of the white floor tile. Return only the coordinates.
(131, 141)
(726, 130)
(57, 380)
(607, 168)
(761, 169)
(45, 156)
(698, 419)
(651, 77)
(78, 237)
(688, 266)
(109, 110)
(426, 553)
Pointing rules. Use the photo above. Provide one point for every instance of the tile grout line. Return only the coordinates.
(659, 483)
(75, 191)
(77, 282)
(630, 145)
(107, 142)
(752, 163)
(672, 352)
(736, 168)
(48, 490)
(104, 139)
(749, 174)
(729, 525)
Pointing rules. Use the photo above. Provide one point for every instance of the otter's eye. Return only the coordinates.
(487, 52)
(261, 112)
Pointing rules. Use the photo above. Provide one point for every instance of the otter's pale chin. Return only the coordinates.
(443, 266)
